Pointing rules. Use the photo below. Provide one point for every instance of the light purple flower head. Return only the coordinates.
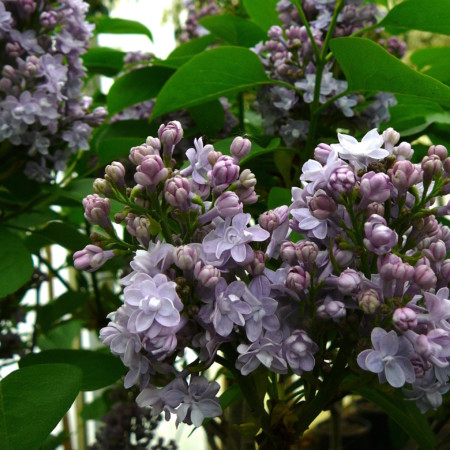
(298, 350)
(231, 239)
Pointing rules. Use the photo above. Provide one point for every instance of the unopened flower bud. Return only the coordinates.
(288, 252)
(333, 309)
(240, 147)
(343, 257)
(257, 266)
(436, 251)
(342, 180)
(379, 238)
(185, 257)
(375, 187)
(298, 279)
(445, 270)
(151, 171)
(431, 166)
(322, 152)
(247, 195)
(247, 178)
(116, 173)
(375, 208)
(349, 282)
(321, 205)
(176, 192)
(224, 173)
(402, 272)
(403, 151)
(404, 175)
(446, 165)
(91, 258)
(369, 301)
(139, 227)
(424, 276)
(404, 319)
(438, 150)
(228, 204)
(213, 156)
(96, 211)
(207, 275)
(306, 251)
(48, 19)
(170, 135)
(390, 138)
(137, 154)
(102, 187)
(269, 221)
(153, 142)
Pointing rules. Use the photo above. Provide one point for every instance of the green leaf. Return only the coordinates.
(232, 395)
(16, 265)
(216, 73)
(417, 15)
(95, 410)
(263, 13)
(208, 117)
(61, 336)
(53, 442)
(99, 369)
(114, 25)
(53, 311)
(279, 196)
(65, 235)
(433, 61)
(32, 402)
(187, 50)
(368, 67)
(233, 29)
(103, 61)
(404, 413)
(137, 86)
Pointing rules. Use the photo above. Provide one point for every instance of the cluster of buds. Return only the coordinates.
(205, 277)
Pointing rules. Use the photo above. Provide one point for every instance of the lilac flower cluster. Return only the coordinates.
(288, 56)
(205, 276)
(42, 110)
(191, 28)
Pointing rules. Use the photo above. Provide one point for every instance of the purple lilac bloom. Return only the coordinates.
(390, 358)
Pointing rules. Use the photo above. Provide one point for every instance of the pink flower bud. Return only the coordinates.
(91, 258)
(185, 257)
(170, 135)
(176, 192)
(431, 166)
(333, 309)
(438, 150)
(139, 227)
(228, 204)
(390, 138)
(247, 179)
(154, 143)
(404, 319)
(207, 275)
(342, 180)
(257, 266)
(322, 152)
(137, 154)
(288, 252)
(379, 238)
(424, 276)
(151, 171)
(247, 195)
(402, 272)
(96, 211)
(224, 173)
(102, 187)
(404, 175)
(348, 282)
(375, 187)
(269, 221)
(306, 251)
(403, 151)
(116, 173)
(321, 205)
(240, 147)
(369, 301)
(445, 270)
(375, 208)
(298, 279)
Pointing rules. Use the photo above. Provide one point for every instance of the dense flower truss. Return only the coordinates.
(43, 113)
(288, 55)
(370, 270)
